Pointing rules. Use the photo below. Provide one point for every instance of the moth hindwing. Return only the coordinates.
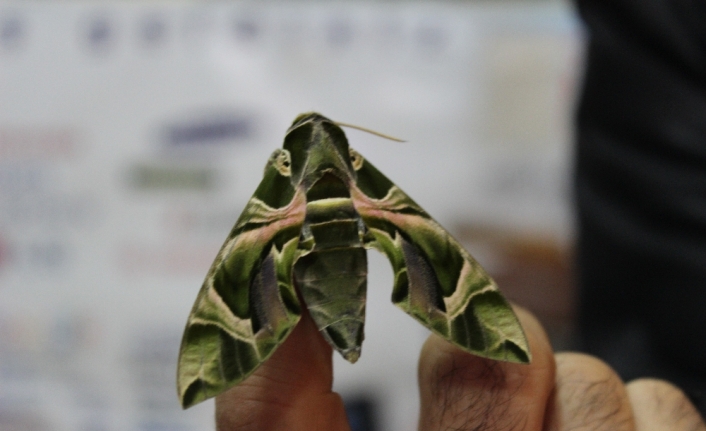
(302, 237)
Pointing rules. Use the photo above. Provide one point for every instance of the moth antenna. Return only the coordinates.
(372, 132)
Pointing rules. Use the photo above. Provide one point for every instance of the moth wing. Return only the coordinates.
(247, 305)
(436, 280)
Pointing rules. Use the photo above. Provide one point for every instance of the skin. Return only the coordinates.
(459, 391)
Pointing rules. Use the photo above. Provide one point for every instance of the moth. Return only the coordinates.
(301, 242)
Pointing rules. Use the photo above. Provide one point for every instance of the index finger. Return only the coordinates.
(290, 391)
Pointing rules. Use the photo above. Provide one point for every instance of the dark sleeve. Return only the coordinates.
(640, 188)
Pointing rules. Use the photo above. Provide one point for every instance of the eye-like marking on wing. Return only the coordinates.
(435, 280)
(247, 305)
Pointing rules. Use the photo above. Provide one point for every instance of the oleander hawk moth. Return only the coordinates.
(301, 241)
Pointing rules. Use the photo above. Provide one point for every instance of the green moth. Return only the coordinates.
(301, 241)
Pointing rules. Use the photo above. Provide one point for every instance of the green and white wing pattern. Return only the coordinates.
(247, 305)
(436, 281)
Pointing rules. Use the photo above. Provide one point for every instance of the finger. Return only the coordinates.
(588, 395)
(461, 391)
(290, 391)
(660, 406)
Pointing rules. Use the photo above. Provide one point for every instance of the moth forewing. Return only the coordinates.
(232, 329)
(436, 280)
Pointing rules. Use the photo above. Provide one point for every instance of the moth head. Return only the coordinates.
(317, 145)
(307, 117)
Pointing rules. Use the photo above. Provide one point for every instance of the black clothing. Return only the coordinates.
(640, 188)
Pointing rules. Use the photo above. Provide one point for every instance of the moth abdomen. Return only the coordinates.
(333, 284)
(332, 274)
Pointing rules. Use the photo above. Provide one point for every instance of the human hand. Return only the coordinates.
(460, 391)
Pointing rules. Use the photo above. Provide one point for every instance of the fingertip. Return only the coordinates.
(458, 388)
(291, 390)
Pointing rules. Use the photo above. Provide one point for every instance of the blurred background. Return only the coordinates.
(133, 133)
